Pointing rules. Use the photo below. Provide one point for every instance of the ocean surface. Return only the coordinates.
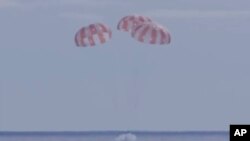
(114, 136)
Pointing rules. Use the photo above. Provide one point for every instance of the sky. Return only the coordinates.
(198, 82)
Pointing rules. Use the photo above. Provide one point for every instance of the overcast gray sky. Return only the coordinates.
(201, 81)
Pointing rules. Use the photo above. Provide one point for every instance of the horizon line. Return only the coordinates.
(108, 131)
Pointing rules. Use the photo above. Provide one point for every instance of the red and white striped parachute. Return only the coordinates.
(127, 23)
(152, 33)
(92, 35)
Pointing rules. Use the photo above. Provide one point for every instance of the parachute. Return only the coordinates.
(141, 28)
(151, 32)
(127, 23)
(92, 34)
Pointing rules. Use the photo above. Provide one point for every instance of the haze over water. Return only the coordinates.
(112, 136)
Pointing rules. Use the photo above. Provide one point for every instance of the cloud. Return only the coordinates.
(168, 13)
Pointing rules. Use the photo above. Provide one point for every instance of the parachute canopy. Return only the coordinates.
(127, 23)
(92, 34)
(151, 32)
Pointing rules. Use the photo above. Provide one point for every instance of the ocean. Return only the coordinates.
(114, 136)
